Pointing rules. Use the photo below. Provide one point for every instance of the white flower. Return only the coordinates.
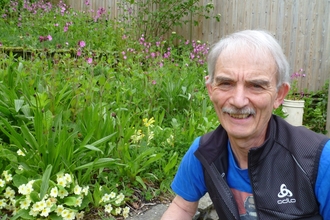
(10, 193)
(112, 195)
(126, 210)
(108, 208)
(39, 206)
(20, 167)
(78, 202)
(33, 213)
(85, 190)
(105, 198)
(119, 198)
(80, 215)
(77, 190)
(8, 177)
(59, 209)
(3, 203)
(50, 202)
(61, 181)
(118, 211)
(69, 215)
(62, 193)
(20, 153)
(25, 204)
(25, 189)
(68, 178)
(2, 183)
(54, 192)
(45, 212)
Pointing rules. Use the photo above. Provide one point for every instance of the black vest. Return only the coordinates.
(287, 160)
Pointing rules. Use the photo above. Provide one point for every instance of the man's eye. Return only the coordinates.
(257, 86)
(224, 83)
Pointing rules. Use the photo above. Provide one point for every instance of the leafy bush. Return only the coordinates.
(315, 111)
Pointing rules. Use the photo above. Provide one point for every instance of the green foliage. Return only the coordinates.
(315, 110)
(154, 18)
(115, 120)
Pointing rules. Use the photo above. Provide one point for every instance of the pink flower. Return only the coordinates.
(42, 38)
(49, 38)
(89, 60)
(56, 25)
(0, 44)
(81, 44)
(87, 2)
(153, 82)
(79, 52)
(65, 29)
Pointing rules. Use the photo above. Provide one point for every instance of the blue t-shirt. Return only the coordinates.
(189, 182)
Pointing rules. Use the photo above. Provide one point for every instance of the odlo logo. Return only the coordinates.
(284, 192)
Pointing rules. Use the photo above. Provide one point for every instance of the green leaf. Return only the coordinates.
(103, 140)
(19, 180)
(171, 163)
(34, 196)
(91, 147)
(97, 194)
(139, 180)
(100, 163)
(45, 181)
(18, 104)
(70, 201)
(22, 214)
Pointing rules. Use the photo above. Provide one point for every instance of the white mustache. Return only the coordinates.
(237, 111)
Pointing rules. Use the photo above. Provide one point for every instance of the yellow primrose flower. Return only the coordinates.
(149, 122)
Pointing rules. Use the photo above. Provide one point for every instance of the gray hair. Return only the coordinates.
(258, 43)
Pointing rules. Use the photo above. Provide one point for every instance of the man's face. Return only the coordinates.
(244, 94)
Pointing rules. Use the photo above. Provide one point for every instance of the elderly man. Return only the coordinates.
(254, 165)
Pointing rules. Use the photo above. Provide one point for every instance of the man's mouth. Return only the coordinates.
(239, 116)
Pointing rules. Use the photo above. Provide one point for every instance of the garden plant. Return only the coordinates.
(93, 120)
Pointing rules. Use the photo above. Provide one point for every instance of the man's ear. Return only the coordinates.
(208, 85)
(281, 94)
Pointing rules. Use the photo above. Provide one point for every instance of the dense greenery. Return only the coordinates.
(88, 112)
(90, 115)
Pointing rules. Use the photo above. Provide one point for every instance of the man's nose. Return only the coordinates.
(239, 97)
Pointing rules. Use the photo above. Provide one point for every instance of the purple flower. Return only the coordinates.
(81, 44)
(79, 52)
(42, 38)
(87, 2)
(0, 44)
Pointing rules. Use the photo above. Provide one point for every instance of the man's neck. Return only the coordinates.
(241, 148)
